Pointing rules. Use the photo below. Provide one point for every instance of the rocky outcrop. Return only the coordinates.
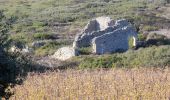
(65, 53)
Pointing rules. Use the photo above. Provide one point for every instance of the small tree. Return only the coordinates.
(7, 62)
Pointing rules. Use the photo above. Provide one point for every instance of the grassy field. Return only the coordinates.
(102, 84)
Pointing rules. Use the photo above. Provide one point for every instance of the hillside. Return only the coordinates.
(31, 31)
(55, 23)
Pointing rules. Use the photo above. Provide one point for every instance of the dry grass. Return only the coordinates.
(112, 84)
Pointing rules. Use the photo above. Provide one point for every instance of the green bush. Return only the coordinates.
(100, 62)
(144, 57)
(42, 36)
(21, 39)
(49, 48)
(85, 50)
(141, 37)
(150, 28)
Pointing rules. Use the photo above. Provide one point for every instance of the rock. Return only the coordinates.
(14, 49)
(65, 53)
(106, 35)
(38, 44)
(164, 32)
(155, 36)
(24, 50)
(141, 44)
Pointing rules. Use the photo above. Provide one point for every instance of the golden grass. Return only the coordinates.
(112, 84)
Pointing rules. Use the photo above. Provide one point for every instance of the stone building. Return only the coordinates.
(106, 35)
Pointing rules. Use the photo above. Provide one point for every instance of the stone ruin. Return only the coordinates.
(94, 28)
(104, 35)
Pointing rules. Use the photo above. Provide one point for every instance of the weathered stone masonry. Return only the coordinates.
(106, 35)
(115, 41)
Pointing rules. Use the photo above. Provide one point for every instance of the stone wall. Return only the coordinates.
(85, 39)
(94, 28)
(97, 27)
(116, 41)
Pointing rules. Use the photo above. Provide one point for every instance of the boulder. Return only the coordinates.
(38, 44)
(24, 50)
(65, 53)
(14, 49)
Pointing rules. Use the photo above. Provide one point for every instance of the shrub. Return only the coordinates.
(42, 36)
(144, 57)
(149, 28)
(105, 61)
(85, 50)
(12, 65)
(21, 39)
(49, 48)
(141, 37)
